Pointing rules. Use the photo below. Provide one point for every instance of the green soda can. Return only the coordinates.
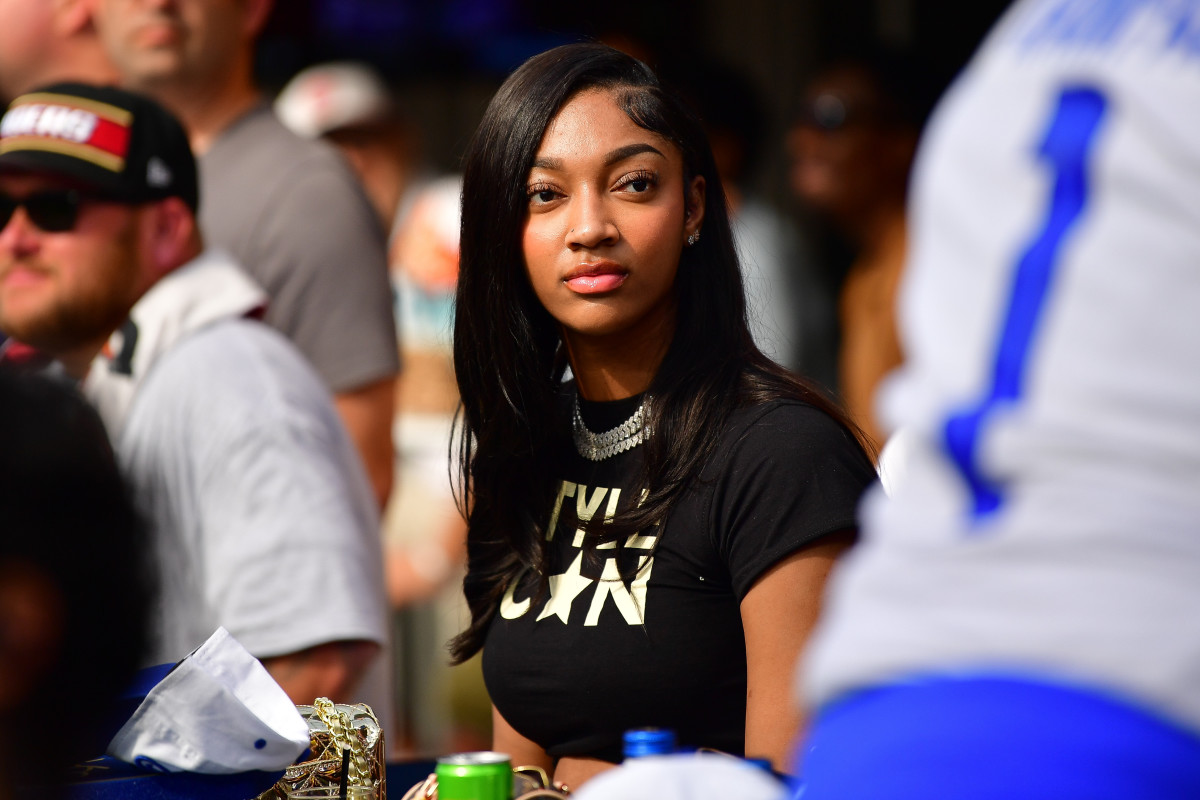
(475, 776)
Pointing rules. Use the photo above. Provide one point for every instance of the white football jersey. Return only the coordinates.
(1048, 521)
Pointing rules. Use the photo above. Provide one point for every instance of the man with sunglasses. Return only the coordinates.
(262, 517)
(851, 148)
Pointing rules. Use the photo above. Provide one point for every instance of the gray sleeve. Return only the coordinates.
(289, 548)
(321, 253)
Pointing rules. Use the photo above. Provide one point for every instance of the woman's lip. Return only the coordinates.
(597, 284)
(595, 278)
(594, 268)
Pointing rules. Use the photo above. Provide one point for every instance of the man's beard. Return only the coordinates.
(67, 323)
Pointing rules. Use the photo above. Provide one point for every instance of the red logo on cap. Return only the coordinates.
(84, 129)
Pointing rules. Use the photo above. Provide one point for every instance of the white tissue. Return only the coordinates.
(219, 711)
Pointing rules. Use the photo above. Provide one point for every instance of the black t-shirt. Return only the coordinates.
(594, 655)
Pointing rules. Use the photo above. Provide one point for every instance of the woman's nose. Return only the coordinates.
(591, 223)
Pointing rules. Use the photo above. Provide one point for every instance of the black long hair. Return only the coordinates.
(69, 520)
(508, 356)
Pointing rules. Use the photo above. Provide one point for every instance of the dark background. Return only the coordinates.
(446, 57)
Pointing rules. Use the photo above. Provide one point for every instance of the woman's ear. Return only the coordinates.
(693, 219)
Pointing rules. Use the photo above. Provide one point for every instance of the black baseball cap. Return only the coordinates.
(120, 144)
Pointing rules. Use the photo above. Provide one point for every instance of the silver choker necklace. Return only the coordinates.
(626, 436)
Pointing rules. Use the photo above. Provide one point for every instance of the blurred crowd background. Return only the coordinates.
(445, 59)
(813, 108)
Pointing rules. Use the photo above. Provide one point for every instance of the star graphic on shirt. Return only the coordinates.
(564, 589)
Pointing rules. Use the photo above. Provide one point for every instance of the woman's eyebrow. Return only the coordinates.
(622, 153)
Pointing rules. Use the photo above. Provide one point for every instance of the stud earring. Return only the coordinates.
(693, 238)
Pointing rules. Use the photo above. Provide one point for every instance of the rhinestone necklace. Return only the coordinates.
(626, 436)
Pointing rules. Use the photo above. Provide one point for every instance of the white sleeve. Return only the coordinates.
(288, 543)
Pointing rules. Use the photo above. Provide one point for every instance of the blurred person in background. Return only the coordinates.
(451, 704)
(851, 150)
(349, 105)
(286, 208)
(775, 263)
(47, 41)
(75, 589)
(1016, 621)
(260, 512)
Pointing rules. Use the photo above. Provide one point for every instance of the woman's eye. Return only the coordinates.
(638, 183)
(539, 196)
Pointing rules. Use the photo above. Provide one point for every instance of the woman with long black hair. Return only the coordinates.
(648, 539)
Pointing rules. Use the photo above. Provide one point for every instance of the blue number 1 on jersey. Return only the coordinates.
(1065, 149)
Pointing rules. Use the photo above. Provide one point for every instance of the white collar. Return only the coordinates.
(209, 288)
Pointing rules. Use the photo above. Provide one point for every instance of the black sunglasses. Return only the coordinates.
(52, 211)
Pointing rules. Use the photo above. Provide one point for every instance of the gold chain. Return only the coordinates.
(343, 736)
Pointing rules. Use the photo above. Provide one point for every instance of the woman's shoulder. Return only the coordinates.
(789, 434)
(782, 416)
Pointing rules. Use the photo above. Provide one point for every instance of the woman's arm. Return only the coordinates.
(524, 753)
(778, 613)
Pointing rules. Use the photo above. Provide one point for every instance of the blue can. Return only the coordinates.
(639, 742)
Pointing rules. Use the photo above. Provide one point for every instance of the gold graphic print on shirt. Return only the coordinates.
(568, 586)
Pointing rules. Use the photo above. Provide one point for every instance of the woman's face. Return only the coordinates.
(608, 218)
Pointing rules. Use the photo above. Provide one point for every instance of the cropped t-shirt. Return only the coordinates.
(575, 666)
